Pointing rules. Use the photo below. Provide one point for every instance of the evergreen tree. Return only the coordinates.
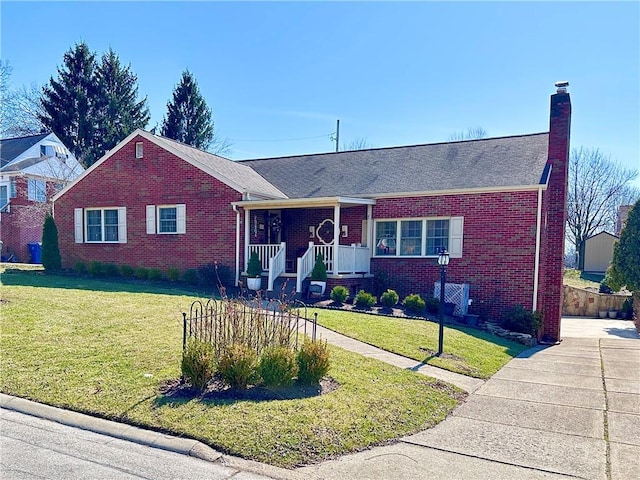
(67, 102)
(188, 117)
(50, 250)
(625, 267)
(92, 106)
(117, 105)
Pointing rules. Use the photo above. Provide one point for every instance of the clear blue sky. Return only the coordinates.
(393, 73)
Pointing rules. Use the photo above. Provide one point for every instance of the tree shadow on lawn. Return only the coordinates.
(39, 278)
(176, 392)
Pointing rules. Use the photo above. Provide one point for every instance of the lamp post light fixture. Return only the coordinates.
(443, 261)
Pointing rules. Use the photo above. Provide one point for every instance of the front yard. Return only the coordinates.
(106, 348)
(466, 350)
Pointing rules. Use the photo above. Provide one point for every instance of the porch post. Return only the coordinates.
(370, 233)
(336, 237)
(247, 237)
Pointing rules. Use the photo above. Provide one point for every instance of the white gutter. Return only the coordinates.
(235, 209)
(536, 268)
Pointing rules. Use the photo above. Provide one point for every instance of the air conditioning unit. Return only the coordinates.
(456, 293)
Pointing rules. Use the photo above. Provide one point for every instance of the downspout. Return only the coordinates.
(235, 209)
(536, 267)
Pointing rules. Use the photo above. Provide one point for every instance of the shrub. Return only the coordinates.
(50, 250)
(214, 274)
(127, 271)
(110, 269)
(154, 274)
(237, 365)
(604, 288)
(142, 273)
(190, 276)
(313, 362)
(80, 267)
(95, 268)
(364, 300)
(389, 298)
(521, 320)
(254, 268)
(432, 305)
(414, 303)
(277, 366)
(173, 274)
(198, 363)
(319, 272)
(339, 294)
(380, 282)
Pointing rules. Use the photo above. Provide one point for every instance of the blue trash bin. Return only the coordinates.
(35, 249)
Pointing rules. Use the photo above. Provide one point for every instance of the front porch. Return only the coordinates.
(288, 235)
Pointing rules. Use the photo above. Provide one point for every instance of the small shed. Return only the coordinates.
(598, 252)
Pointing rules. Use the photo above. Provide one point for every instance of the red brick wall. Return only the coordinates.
(23, 223)
(555, 216)
(160, 178)
(498, 248)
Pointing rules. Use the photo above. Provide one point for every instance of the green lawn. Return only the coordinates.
(468, 351)
(578, 279)
(105, 347)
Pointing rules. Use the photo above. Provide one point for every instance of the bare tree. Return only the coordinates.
(19, 108)
(597, 187)
(359, 143)
(472, 133)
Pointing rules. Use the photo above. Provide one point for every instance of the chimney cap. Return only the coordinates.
(562, 86)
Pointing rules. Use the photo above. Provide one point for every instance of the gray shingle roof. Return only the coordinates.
(232, 173)
(10, 148)
(487, 163)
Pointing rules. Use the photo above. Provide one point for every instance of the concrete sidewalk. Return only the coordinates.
(567, 411)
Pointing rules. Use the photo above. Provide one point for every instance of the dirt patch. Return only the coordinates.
(218, 390)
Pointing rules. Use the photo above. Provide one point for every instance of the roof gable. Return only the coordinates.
(492, 163)
(233, 174)
(11, 148)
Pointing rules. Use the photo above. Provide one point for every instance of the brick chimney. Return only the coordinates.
(555, 214)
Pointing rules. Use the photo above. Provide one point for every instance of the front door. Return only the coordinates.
(274, 226)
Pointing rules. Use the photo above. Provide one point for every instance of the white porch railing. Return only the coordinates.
(273, 258)
(277, 265)
(353, 259)
(265, 252)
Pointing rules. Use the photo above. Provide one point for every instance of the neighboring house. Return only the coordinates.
(497, 204)
(598, 252)
(32, 170)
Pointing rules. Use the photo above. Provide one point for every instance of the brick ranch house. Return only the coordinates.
(32, 170)
(497, 204)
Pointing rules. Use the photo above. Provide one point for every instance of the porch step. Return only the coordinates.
(284, 288)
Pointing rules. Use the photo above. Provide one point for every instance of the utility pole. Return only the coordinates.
(337, 135)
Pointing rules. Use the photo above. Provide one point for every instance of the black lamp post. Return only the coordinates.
(443, 261)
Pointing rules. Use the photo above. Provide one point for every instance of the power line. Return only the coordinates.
(281, 139)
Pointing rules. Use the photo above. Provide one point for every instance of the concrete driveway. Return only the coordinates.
(584, 327)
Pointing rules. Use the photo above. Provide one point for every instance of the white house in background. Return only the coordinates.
(32, 170)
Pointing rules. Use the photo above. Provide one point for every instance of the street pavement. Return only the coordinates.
(564, 411)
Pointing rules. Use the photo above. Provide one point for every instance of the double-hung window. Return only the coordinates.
(101, 225)
(166, 219)
(418, 237)
(36, 190)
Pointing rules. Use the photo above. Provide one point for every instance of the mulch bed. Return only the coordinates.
(218, 390)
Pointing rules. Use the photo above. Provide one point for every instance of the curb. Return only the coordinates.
(141, 436)
(185, 446)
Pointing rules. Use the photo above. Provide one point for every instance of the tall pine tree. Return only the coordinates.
(68, 105)
(117, 103)
(188, 117)
(92, 106)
